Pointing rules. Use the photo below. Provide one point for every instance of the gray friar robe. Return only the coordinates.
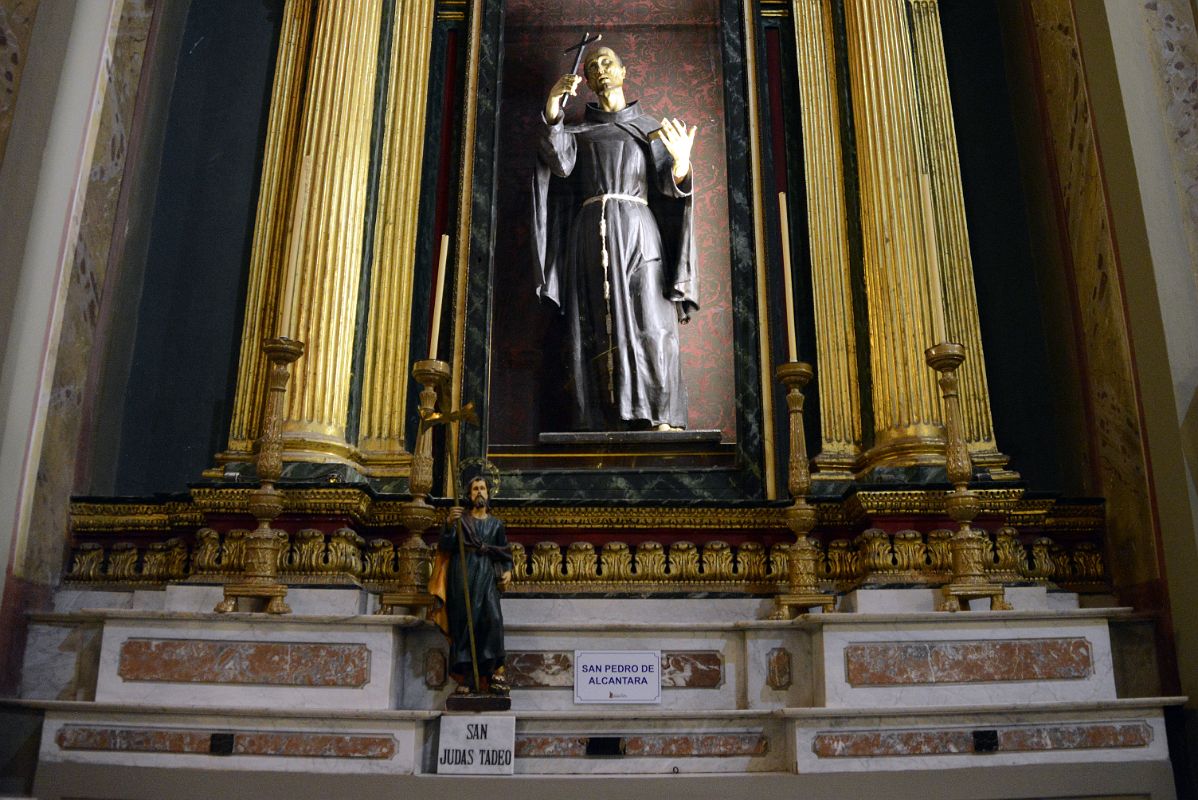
(648, 233)
(487, 557)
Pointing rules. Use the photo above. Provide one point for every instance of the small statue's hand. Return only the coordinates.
(678, 141)
(505, 580)
(455, 513)
(566, 85)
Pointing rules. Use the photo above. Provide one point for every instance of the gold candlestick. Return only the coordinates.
(260, 576)
(413, 556)
(969, 580)
(802, 591)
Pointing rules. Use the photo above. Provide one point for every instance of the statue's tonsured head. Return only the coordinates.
(604, 70)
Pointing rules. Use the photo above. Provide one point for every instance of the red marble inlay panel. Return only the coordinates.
(247, 743)
(649, 745)
(983, 661)
(778, 676)
(259, 663)
(1019, 739)
(690, 669)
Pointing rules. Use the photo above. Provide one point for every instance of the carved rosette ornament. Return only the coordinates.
(260, 573)
(802, 591)
(967, 546)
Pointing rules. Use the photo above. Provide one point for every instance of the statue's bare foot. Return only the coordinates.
(665, 426)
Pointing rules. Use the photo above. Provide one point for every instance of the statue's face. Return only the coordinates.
(604, 70)
(478, 493)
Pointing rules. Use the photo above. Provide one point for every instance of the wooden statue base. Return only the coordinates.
(396, 602)
(478, 702)
(953, 594)
(788, 602)
(273, 594)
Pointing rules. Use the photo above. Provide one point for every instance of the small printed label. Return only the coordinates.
(476, 744)
(617, 676)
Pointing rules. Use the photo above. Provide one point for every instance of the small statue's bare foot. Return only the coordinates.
(665, 426)
(226, 605)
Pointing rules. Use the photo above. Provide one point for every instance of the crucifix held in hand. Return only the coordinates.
(581, 48)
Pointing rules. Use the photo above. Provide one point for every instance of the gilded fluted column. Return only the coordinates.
(906, 408)
(275, 203)
(323, 257)
(940, 139)
(835, 338)
(388, 356)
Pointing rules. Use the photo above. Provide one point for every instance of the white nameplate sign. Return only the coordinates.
(476, 744)
(617, 676)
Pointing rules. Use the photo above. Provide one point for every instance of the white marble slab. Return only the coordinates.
(805, 731)
(567, 610)
(409, 736)
(833, 690)
(304, 600)
(379, 692)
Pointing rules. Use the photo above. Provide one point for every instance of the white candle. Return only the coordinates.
(791, 339)
(437, 298)
(935, 287)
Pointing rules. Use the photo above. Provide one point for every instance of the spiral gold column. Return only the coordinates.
(940, 137)
(380, 436)
(322, 260)
(275, 202)
(906, 408)
(835, 339)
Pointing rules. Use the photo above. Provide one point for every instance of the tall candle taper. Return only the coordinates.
(935, 287)
(437, 298)
(784, 221)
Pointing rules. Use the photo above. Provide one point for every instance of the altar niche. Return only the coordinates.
(685, 59)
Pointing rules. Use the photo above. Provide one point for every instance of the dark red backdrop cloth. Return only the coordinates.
(671, 50)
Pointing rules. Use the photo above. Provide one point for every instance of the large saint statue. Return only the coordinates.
(488, 571)
(614, 245)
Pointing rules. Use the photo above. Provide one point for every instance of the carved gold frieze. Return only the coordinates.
(875, 558)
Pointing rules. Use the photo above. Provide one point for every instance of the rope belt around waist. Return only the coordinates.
(603, 258)
(603, 198)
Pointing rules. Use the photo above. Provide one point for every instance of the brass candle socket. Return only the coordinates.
(967, 546)
(413, 557)
(261, 572)
(802, 591)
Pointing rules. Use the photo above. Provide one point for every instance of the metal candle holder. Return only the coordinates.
(802, 591)
(260, 575)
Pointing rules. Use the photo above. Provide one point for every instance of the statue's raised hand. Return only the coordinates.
(566, 85)
(678, 141)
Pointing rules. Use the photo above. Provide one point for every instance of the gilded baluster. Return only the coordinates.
(232, 551)
(717, 561)
(1042, 567)
(153, 565)
(122, 562)
(940, 557)
(751, 562)
(616, 562)
(205, 559)
(580, 562)
(1010, 557)
(379, 560)
(650, 562)
(87, 563)
(1062, 571)
(546, 563)
(309, 552)
(684, 562)
(345, 551)
(779, 562)
(176, 559)
(910, 555)
(875, 553)
(1087, 562)
(519, 562)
